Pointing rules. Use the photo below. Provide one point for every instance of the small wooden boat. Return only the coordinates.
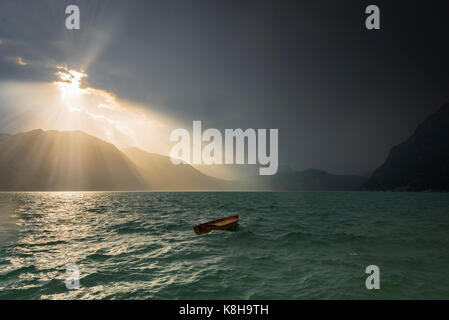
(220, 224)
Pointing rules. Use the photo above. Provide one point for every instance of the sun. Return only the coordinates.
(69, 84)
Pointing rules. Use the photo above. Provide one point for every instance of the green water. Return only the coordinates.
(287, 246)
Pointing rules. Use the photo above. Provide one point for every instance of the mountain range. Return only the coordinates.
(307, 180)
(73, 161)
(421, 163)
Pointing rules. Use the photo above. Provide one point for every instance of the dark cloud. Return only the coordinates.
(340, 95)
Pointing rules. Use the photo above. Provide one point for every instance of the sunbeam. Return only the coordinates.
(68, 103)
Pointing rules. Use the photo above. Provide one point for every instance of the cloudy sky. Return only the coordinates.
(340, 95)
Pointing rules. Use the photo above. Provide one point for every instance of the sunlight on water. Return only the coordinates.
(287, 245)
(7, 220)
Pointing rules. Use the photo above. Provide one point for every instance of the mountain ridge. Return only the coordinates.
(307, 180)
(39, 160)
(64, 160)
(421, 162)
(52, 160)
(161, 174)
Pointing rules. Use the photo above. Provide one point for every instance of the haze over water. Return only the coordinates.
(288, 245)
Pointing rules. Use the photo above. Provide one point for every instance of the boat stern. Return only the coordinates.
(197, 229)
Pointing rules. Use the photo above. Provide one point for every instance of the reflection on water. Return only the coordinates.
(8, 217)
(287, 246)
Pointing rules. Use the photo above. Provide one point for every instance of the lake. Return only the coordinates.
(304, 245)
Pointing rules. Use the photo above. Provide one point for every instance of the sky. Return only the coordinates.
(341, 96)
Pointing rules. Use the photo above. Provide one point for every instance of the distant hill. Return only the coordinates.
(70, 161)
(308, 180)
(161, 174)
(421, 162)
(53, 160)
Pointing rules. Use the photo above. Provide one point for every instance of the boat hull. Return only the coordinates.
(220, 224)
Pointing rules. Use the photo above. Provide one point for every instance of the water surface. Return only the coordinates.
(288, 245)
